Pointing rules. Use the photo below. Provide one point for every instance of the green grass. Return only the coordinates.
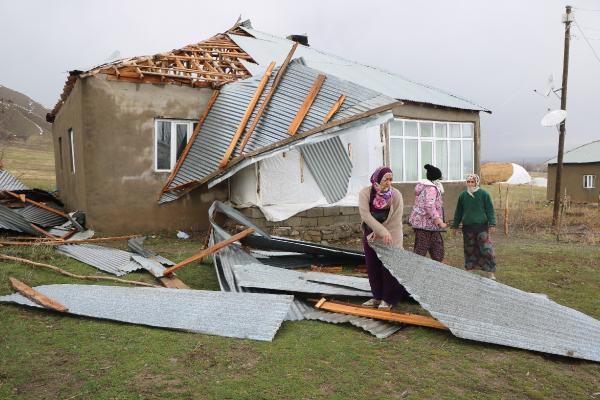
(32, 161)
(44, 355)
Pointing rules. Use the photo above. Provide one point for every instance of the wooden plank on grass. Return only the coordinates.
(310, 98)
(206, 252)
(36, 296)
(172, 282)
(374, 313)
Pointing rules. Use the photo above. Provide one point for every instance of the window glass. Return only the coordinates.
(441, 157)
(72, 149)
(454, 130)
(411, 154)
(455, 172)
(426, 155)
(395, 128)
(396, 158)
(467, 157)
(467, 130)
(589, 181)
(163, 145)
(182, 133)
(410, 128)
(441, 130)
(426, 129)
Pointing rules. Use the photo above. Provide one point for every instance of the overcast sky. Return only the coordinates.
(493, 53)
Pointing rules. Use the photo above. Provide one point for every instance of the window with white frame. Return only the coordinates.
(170, 139)
(72, 149)
(447, 145)
(589, 181)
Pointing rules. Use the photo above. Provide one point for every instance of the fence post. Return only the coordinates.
(506, 212)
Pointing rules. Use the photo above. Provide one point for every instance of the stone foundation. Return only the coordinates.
(315, 225)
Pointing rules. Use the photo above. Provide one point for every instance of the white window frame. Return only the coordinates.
(589, 181)
(173, 155)
(72, 149)
(421, 172)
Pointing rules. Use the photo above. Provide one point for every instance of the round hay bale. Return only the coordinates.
(495, 172)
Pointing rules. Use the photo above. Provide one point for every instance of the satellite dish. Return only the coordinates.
(554, 118)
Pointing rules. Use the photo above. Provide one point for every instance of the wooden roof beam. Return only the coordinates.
(310, 98)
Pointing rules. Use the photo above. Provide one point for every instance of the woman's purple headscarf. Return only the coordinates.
(380, 199)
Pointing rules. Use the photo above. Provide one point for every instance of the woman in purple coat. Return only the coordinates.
(380, 206)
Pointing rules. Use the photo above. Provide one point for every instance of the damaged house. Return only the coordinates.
(285, 131)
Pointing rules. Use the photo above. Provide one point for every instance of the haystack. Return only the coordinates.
(510, 173)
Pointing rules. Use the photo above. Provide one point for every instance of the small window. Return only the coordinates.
(72, 149)
(170, 139)
(589, 181)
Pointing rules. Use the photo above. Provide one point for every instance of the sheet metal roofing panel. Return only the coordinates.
(39, 216)
(9, 183)
(239, 315)
(135, 245)
(331, 167)
(260, 276)
(265, 48)
(114, 261)
(481, 309)
(588, 153)
(15, 222)
(379, 329)
(227, 111)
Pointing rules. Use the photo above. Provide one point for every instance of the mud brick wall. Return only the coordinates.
(315, 225)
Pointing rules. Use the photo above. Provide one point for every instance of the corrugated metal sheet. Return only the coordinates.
(39, 216)
(9, 183)
(265, 48)
(331, 167)
(588, 153)
(481, 309)
(114, 261)
(260, 276)
(227, 111)
(379, 329)
(15, 222)
(239, 315)
(136, 245)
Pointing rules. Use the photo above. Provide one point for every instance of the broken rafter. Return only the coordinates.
(186, 150)
(24, 199)
(349, 309)
(246, 117)
(36, 296)
(310, 98)
(336, 106)
(267, 99)
(60, 242)
(206, 252)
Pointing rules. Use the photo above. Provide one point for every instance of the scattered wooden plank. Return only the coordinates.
(71, 275)
(330, 270)
(36, 296)
(43, 232)
(24, 199)
(336, 106)
(265, 103)
(374, 313)
(61, 242)
(173, 282)
(247, 114)
(310, 98)
(208, 251)
(211, 102)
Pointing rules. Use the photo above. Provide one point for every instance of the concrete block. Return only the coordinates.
(282, 231)
(326, 221)
(293, 221)
(331, 211)
(305, 221)
(314, 212)
(349, 210)
(354, 219)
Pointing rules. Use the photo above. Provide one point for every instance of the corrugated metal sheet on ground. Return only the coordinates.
(9, 183)
(331, 167)
(264, 48)
(227, 111)
(240, 315)
(136, 245)
(39, 216)
(588, 153)
(481, 309)
(15, 222)
(114, 261)
(260, 276)
(379, 329)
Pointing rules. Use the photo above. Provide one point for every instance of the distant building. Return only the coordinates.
(581, 170)
(126, 147)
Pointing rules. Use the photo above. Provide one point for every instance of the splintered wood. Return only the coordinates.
(36, 296)
(374, 313)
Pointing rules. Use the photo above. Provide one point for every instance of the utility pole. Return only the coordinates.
(567, 19)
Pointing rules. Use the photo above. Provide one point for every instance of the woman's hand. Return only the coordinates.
(492, 229)
(387, 239)
(440, 223)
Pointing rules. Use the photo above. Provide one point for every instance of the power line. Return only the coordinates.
(587, 9)
(586, 40)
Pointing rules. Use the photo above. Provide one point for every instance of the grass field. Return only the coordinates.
(32, 162)
(50, 356)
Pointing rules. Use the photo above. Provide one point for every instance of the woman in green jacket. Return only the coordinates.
(476, 212)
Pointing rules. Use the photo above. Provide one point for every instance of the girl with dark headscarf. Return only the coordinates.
(380, 206)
